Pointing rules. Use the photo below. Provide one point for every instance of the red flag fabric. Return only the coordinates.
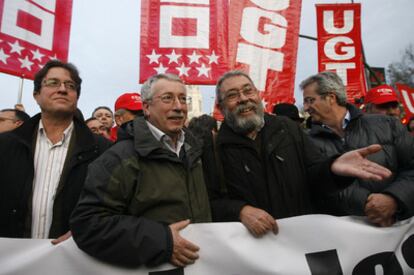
(187, 38)
(339, 45)
(263, 41)
(407, 98)
(32, 33)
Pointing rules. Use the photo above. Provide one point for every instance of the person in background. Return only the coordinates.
(270, 165)
(127, 107)
(410, 126)
(105, 116)
(288, 110)
(147, 187)
(96, 127)
(382, 100)
(339, 127)
(10, 119)
(43, 163)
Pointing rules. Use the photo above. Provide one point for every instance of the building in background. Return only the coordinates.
(195, 106)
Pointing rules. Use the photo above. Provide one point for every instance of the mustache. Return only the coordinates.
(240, 108)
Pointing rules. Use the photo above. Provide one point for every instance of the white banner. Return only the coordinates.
(312, 244)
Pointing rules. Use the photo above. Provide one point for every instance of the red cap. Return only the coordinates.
(129, 101)
(381, 94)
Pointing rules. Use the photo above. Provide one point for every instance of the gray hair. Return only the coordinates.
(230, 74)
(146, 90)
(328, 82)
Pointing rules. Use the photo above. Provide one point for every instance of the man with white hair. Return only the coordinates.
(269, 162)
(146, 187)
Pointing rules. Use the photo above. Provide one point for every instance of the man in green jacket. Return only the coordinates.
(147, 187)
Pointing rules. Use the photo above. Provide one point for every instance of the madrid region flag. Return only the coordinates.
(33, 32)
(187, 38)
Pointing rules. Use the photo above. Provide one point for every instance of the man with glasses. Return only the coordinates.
(10, 119)
(43, 163)
(269, 163)
(339, 127)
(147, 187)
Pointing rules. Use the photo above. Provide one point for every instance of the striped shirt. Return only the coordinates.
(166, 140)
(48, 164)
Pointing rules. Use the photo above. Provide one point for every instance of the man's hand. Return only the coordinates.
(62, 238)
(355, 164)
(184, 252)
(258, 221)
(380, 209)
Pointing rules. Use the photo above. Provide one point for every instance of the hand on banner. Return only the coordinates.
(184, 252)
(380, 209)
(355, 164)
(62, 238)
(258, 221)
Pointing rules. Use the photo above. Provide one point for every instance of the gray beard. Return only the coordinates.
(245, 125)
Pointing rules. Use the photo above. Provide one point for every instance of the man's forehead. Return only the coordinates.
(7, 114)
(58, 72)
(168, 86)
(235, 82)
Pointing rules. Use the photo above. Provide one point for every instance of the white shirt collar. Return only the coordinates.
(166, 140)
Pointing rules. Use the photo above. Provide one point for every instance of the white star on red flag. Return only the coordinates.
(194, 57)
(173, 57)
(203, 70)
(16, 48)
(3, 56)
(153, 57)
(183, 70)
(161, 69)
(26, 63)
(37, 55)
(213, 58)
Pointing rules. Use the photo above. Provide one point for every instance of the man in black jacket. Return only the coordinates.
(268, 161)
(339, 127)
(43, 163)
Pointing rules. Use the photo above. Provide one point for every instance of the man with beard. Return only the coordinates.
(268, 161)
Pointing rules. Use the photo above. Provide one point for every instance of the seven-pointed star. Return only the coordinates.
(161, 69)
(194, 58)
(37, 55)
(3, 56)
(16, 48)
(203, 70)
(153, 57)
(173, 57)
(183, 70)
(213, 58)
(26, 63)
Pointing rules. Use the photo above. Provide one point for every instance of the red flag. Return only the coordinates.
(32, 33)
(339, 45)
(263, 40)
(407, 98)
(187, 38)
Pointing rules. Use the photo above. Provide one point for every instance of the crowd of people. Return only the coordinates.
(123, 183)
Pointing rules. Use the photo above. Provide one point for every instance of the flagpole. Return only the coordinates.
(20, 93)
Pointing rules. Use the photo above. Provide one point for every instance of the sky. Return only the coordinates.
(104, 45)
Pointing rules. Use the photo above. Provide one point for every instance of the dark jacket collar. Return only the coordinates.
(28, 131)
(146, 144)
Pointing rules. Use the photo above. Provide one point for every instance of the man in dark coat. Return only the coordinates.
(43, 163)
(339, 127)
(268, 161)
(140, 193)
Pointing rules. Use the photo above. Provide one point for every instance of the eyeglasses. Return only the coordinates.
(309, 100)
(170, 98)
(247, 91)
(56, 83)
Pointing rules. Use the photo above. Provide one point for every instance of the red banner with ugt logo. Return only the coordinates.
(184, 37)
(339, 45)
(263, 40)
(407, 96)
(33, 32)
